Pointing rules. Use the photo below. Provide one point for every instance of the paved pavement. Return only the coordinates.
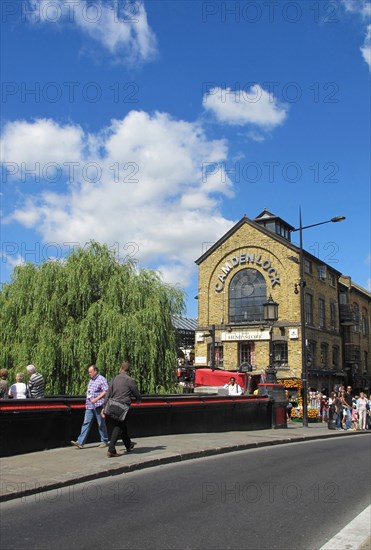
(33, 473)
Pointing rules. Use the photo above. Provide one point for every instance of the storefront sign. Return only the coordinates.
(247, 259)
(200, 360)
(242, 335)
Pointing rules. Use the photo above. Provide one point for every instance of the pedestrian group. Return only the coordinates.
(349, 411)
(20, 389)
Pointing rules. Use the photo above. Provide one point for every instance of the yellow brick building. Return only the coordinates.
(253, 261)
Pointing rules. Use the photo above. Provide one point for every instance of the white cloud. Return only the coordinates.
(120, 27)
(362, 8)
(366, 48)
(13, 262)
(28, 142)
(254, 106)
(151, 190)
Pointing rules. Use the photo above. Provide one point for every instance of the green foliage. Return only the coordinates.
(65, 316)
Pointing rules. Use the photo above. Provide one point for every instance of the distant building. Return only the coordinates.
(354, 303)
(256, 259)
(185, 329)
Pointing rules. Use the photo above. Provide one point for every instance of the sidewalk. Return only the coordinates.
(33, 473)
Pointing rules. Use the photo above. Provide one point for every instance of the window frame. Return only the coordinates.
(283, 361)
(321, 312)
(309, 309)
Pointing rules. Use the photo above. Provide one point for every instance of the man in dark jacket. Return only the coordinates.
(122, 388)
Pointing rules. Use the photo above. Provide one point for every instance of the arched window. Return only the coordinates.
(247, 294)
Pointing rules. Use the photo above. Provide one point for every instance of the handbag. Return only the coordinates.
(116, 410)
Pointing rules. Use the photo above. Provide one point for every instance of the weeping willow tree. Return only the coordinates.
(62, 317)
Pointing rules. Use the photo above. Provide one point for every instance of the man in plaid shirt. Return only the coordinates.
(97, 389)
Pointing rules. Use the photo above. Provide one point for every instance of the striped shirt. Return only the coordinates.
(36, 386)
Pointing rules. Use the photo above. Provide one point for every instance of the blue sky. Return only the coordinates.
(155, 126)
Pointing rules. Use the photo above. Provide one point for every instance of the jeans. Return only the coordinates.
(86, 425)
(349, 418)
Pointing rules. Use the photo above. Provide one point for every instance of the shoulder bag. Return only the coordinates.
(116, 410)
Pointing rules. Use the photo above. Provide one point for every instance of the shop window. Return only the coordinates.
(311, 354)
(218, 356)
(247, 294)
(280, 355)
(309, 309)
(245, 353)
(321, 313)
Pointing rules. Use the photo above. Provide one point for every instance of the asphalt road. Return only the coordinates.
(294, 496)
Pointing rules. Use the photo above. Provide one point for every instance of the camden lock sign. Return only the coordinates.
(247, 259)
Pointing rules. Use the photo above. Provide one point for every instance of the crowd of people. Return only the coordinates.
(21, 389)
(349, 410)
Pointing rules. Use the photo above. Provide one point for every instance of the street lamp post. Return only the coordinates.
(304, 365)
(270, 316)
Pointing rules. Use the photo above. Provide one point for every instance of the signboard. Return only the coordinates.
(293, 333)
(241, 335)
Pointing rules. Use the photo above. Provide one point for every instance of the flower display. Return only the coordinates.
(298, 414)
(291, 383)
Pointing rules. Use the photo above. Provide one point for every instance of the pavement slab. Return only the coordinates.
(32, 473)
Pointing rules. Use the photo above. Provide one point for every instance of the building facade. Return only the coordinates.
(256, 260)
(355, 321)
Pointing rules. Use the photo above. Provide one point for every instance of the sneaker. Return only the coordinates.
(112, 454)
(76, 444)
(102, 446)
(131, 447)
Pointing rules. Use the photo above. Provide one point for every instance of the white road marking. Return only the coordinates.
(354, 535)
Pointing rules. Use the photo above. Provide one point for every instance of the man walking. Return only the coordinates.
(97, 389)
(122, 388)
(36, 383)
